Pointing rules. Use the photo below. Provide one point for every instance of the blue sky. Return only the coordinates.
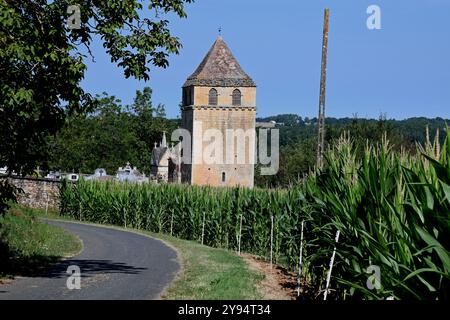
(402, 70)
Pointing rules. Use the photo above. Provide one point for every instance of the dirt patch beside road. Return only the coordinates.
(279, 284)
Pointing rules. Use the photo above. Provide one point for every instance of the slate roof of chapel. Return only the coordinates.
(219, 68)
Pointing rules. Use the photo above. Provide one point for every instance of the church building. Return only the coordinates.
(219, 95)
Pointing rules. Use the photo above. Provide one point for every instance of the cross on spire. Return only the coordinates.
(220, 31)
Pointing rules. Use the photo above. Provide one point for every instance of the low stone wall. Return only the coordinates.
(37, 192)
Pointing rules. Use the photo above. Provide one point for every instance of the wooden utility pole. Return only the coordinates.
(323, 80)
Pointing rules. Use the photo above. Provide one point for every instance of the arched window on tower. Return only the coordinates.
(189, 96)
(185, 102)
(213, 97)
(236, 97)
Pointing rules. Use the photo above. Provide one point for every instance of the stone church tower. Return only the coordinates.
(220, 96)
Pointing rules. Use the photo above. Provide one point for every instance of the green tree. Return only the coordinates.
(42, 63)
(148, 125)
(110, 135)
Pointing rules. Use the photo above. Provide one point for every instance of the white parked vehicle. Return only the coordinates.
(72, 177)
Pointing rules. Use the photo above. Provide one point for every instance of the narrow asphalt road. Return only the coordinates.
(114, 264)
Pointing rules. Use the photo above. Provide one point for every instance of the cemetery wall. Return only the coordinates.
(39, 193)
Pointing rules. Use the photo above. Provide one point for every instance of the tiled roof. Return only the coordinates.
(157, 155)
(219, 68)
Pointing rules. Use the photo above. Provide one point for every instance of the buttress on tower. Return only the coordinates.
(219, 103)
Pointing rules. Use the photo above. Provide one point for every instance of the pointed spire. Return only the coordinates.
(219, 68)
(164, 141)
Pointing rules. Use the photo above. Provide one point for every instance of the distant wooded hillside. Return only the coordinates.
(294, 128)
(298, 140)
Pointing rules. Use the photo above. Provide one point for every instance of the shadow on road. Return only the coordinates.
(53, 267)
(89, 267)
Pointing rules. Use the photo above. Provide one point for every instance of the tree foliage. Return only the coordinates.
(42, 62)
(110, 135)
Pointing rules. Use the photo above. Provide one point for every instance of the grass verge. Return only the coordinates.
(210, 273)
(28, 246)
(206, 273)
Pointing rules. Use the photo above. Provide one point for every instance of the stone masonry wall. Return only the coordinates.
(38, 192)
(223, 172)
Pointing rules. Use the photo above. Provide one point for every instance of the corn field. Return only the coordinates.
(392, 211)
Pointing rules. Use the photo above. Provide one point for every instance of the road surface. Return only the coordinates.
(114, 264)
